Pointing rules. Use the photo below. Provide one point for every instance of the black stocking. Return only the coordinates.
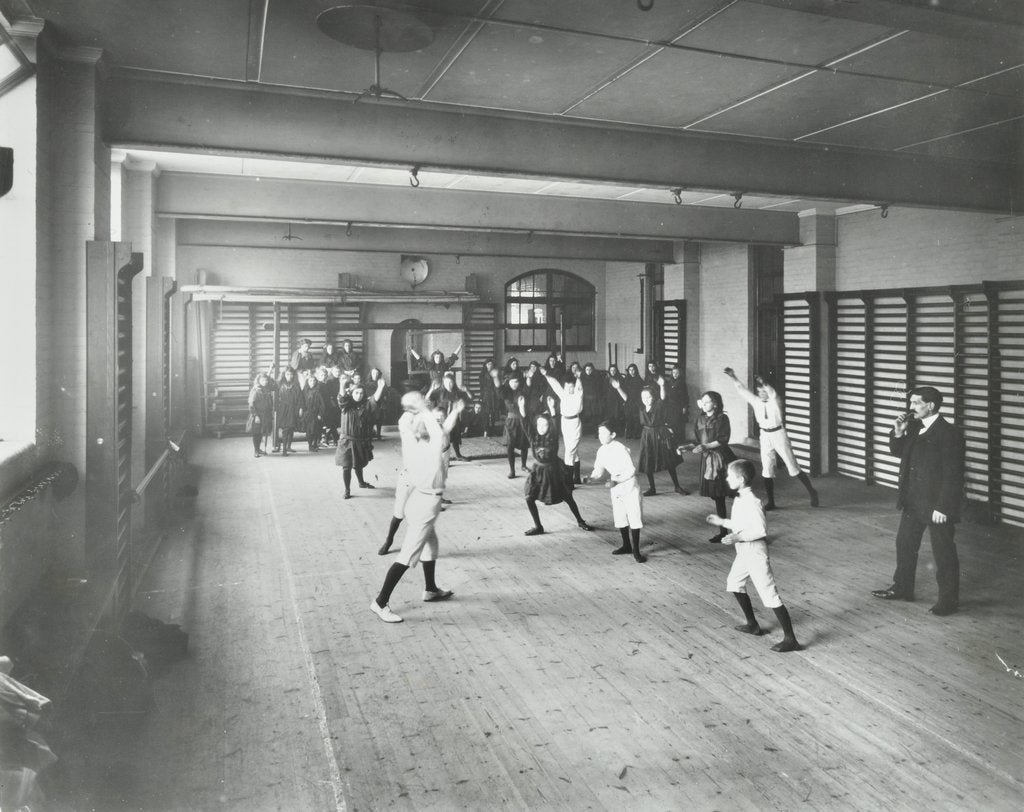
(428, 576)
(394, 575)
(531, 505)
(634, 534)
(511, 461)
(751, 626)
(625, 548)
(346, 477)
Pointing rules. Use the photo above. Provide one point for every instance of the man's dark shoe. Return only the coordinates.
(891, 594)
(942, 609)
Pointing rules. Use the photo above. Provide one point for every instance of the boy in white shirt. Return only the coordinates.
(774, 440)
(627, 503)
(748, 531)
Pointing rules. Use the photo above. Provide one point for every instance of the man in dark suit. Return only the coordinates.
(931, 453)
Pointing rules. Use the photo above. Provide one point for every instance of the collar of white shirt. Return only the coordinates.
(926, 423)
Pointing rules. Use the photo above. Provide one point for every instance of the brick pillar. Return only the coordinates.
(687, 287)
(811, 266)
(73, 207)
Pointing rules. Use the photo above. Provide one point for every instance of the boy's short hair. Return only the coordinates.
(745, 469)
(611, 424)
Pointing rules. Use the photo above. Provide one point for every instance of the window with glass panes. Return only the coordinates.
(541, 304)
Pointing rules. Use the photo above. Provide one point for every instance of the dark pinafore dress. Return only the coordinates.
(547, 481)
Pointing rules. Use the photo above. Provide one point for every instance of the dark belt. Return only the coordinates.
(777, 428)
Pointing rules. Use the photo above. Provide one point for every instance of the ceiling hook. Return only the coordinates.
(414, 177)
(458, 259)
(348, 229)
(885, 209)
(677, 195)
(529, 236)
(640, 4)
(737, 200)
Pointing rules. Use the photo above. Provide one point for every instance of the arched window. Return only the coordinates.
(540, 304)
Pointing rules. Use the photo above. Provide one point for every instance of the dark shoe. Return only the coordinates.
(746, 628)
(258, 454)
(787, 645)
(640, 558)
(650, 492)
(682, 491)
(623, 550)
(284, 452)
(769, 506)
(715, 540)
(534, 531)
(460, 458)
(891, 594)
(512, 476)
(385, 548)
(584, 526)
(367, 485)
(942, 609)
(814, 498)
(348, 495)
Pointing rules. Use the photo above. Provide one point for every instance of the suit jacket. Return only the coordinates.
(931, 469)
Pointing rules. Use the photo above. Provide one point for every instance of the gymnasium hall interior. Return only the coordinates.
(824, 193)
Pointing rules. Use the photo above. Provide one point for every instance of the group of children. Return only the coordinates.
(546, 408)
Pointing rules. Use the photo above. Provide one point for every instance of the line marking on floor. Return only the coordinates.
(314, 683)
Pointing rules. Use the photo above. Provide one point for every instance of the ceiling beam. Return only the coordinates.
(419, 241)
(223, 197)
(146, 111)
(995, 30)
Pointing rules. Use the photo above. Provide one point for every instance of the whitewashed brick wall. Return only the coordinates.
(922, 247)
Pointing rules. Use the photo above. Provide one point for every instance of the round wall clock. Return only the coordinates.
(415, 270)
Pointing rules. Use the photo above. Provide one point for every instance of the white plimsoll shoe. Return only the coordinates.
(384, 614)
(437, 594)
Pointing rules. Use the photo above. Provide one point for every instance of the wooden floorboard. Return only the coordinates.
(559, 676)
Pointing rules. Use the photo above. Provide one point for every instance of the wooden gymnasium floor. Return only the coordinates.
(560, 677)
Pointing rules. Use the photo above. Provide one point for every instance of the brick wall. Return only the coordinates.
(724, 341)
(273, 267)
(622, 315)
(921, 247)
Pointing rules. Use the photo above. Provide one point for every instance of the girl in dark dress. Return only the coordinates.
(631, 385)
(651, 376)
(332, 414)
(437, 364)
(712, 431)
(657, 447)
(261, 412)
(536, 386)
(594, 386)
(329, 356)
(490, 400)
(515, 438)
(388, 406)
(614, 408)
(512, 367)
(547, 481)
(355, 446)
(313, 408)
(289, 408)
(444, 397)
(677, 400)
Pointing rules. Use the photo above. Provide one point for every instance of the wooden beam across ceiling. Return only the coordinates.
(419, 241)
(144, 111)
(211, 197)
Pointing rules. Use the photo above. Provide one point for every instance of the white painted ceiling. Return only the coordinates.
(943, 78)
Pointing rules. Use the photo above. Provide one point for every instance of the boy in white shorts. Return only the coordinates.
(749, 532)
(613, 459)
(773, 438)
(426, 471)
